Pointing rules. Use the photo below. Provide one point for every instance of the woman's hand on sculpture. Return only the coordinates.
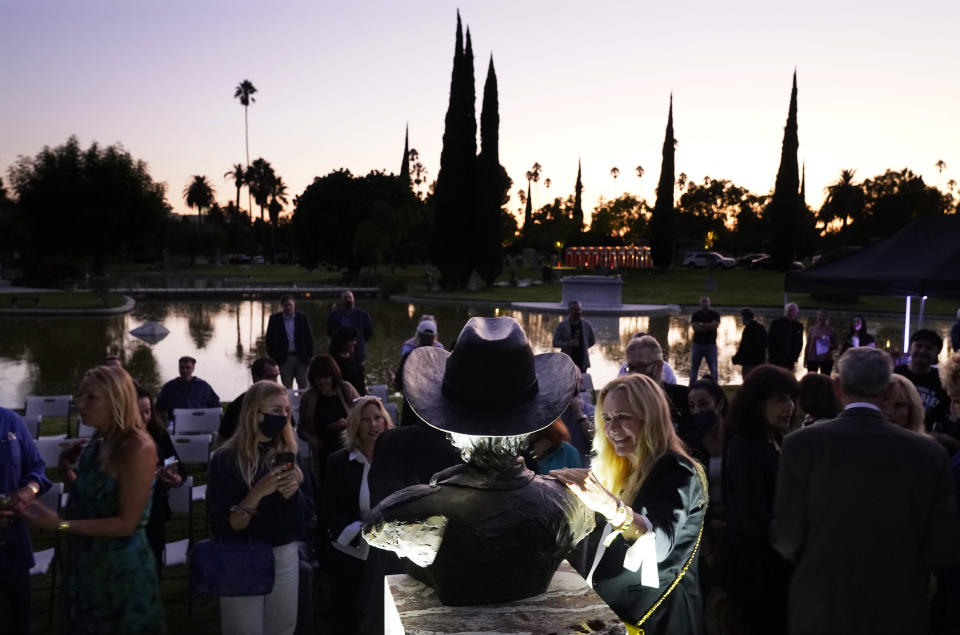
(588, 489)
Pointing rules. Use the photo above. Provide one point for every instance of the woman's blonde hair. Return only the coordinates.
(350, 432)
(244, 440)
(624, 475)
(950, 373)
(914, 403)
(121, 394)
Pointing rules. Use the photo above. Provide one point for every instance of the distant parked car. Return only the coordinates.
(239, 259)
(766, 262)
(747, 260)
(258, 260)
(703, 259)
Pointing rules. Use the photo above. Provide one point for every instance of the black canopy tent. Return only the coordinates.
(922, 259)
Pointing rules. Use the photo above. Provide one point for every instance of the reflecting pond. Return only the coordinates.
(48, 355)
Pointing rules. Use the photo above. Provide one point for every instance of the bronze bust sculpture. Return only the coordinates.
(490, 530)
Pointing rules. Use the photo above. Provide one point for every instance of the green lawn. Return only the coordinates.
(60, 300)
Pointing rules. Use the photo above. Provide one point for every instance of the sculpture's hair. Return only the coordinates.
(624, 475)
(914, 404)
(492, 453)
(349, 435)
(244, 440)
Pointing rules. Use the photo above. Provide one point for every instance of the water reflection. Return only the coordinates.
(49, 355)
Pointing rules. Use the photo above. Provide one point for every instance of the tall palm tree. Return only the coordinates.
(239, 176)
(845, 200)
(614, 172)
(244, 92)
(198, 193)
(260, 179)
(640, 171)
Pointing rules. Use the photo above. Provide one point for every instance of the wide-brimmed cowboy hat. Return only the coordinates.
(491, 384)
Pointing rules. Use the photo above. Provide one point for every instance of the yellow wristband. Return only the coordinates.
(63, 527)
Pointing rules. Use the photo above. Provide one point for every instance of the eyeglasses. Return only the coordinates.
(642, 368)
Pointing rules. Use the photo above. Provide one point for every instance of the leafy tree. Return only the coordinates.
(663, 223)
(278, 198)
(710, 209)
(493, 186)
(239, 176)
(85, 205)
(198, 193)
(893, 199)
(623, 217)
(785, 207)
(845, 202)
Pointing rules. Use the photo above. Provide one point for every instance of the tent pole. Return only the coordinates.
(906, 328)
(923, 304)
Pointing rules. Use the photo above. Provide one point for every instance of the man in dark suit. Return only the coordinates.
(290, 343)
(785, 338)
(866, 511)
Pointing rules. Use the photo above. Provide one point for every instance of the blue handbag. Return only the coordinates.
(233, 567)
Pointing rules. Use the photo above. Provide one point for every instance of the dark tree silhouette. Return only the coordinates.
(454, 192)
(578, 200)
(239, 176)
(198, 193)
(528, 209)
(785, 207)
(663, 222)
(845, 202)
(244, 92)
(405, 163)
(493, 186)
(260, 181)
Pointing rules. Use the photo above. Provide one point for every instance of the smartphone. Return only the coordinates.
(170, 461)
(284, 458)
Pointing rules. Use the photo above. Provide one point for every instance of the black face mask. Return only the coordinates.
(704, 420)
(272, 424)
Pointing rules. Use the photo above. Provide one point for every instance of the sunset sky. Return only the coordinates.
(338, 81)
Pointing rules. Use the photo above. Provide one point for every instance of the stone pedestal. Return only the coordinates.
(593, 292)
(568, 606)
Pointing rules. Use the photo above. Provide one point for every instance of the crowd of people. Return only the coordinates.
(826, 505)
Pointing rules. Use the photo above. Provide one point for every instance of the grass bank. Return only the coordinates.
(61, 300)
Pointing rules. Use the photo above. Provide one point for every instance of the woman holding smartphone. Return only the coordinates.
(170, 474)
(254, 490)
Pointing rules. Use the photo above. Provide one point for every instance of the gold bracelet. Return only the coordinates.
(620, 516)
(63, 527)
(32, 485)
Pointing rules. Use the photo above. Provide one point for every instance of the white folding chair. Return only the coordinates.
(33, 425)
(48, 406)
(394, 414)
(193, 449)
(50, 449)
(83, 430)
(196, 420)
(45, 560)
(379, 391)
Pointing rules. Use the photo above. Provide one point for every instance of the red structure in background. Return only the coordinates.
(608, 257)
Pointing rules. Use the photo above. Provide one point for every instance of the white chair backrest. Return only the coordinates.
(180, 497)
(83, 430)
(193, 449)
(394, 414)
(379, 391)
(196, 420)
(50, 449)
(33, 424)
(48, 405)
(51, 498)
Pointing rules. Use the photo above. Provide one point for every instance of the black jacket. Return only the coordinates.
(277, 344)
(752, 350)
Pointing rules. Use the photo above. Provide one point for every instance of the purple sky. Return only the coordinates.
(338, 81)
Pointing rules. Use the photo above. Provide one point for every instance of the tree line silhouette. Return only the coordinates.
(68, 204)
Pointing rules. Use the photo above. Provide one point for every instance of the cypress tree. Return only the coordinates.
(405, 163)
(663, 223)
(784, 208)
(527, 212)
(578, 201)
(451, 216)
(492, 186)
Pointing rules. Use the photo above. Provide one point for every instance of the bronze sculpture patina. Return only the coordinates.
(489, 530)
